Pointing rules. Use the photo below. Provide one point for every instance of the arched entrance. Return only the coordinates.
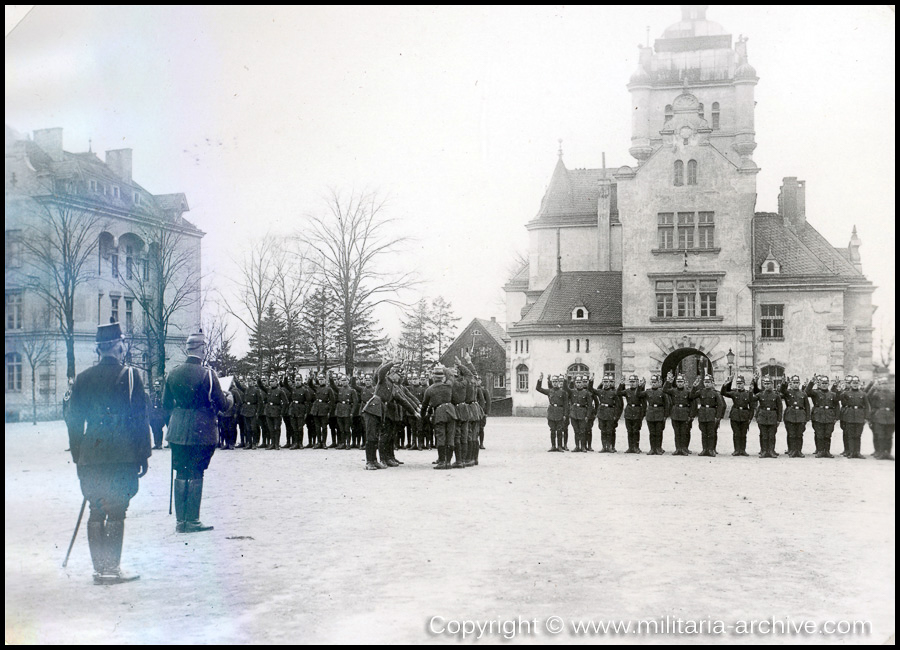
(689, 362)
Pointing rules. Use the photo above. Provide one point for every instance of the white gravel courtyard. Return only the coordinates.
(309, 548)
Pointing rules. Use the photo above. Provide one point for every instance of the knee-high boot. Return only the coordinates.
(192, 522)
(180, 497)
(113, 574)
(96, 534)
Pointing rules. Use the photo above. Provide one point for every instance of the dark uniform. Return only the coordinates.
(881, 419)
(346, 402)
(609, 409)
(192, 396)
(796, 415)
(251, 410)
(682, 398)
(438, 401)
(374, 411)
(657, 405)
(111, 452)
(556, 412)
(484, 401)
(158, 418)
(854, 413)
(743, 406)
(413, 428)
(825, 409)
(228, 419)
(365, 393)
(634, 414)
(322, 407)
(299, 403)
(581, 402)
(277, 403)
(709, 409)
(768, 415)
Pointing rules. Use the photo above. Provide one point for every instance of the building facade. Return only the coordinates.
(488, 344)
(127, 220)
(665, 265)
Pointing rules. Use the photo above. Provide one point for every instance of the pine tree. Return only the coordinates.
(267, 346)
(319, 323)
(443, 323)
(417, 337)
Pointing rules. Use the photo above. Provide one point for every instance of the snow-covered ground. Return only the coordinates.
(308, 547)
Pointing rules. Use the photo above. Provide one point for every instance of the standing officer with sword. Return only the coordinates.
(112, 452)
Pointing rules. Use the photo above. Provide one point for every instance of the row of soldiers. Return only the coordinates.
(577, 402)
(326, 402)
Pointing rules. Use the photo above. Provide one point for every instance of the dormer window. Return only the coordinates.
(580, 313)
(770, 266)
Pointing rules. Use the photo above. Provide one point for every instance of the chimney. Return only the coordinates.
(792, 201)
(50, 140)
(119, 161)
(494, 318)
(855, 243)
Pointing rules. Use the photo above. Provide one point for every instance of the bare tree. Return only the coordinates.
(351, 238)
(168, 284)
(256, 283)
(218, 339)
(60, 245)
(39, 346)
(291, 285)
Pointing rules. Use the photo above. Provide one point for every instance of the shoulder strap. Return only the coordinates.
(210, 377)
(130, 372)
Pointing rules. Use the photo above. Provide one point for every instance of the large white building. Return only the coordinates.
(38, 170)
(665, 265)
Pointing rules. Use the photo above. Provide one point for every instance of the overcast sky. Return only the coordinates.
(454, 113)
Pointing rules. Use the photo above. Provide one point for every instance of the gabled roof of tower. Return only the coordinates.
(600, 292)
(801, 252)
(573, 194)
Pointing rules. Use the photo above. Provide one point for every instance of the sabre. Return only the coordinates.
(75, 534)
(171, 483)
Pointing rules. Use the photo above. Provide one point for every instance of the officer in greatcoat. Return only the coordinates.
(112, 452)
(634, 411)
(580, 405)
(438, 400)
(192, 396)
(709, 408)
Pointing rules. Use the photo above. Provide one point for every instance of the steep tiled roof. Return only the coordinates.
(801, 251)
(600, 292)
(519, 280)
(496, 331)
(572, 193)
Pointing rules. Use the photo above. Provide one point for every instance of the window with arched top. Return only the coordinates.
(522, 378)
(692, 172)
(679, 173)
(700, 112)
(577, 369)
(715, 115)
(669, 114)
(773, 371)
